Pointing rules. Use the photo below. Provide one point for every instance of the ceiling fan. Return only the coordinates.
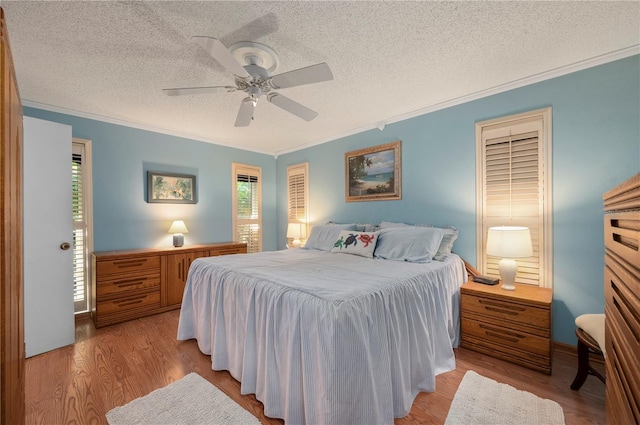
(252, 64)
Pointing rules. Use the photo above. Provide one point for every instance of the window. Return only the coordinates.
(298, 196)
(514, 189)
(81, 211)
(247, 206)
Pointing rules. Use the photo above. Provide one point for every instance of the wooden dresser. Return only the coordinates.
(622, 302)
(141, 282)
(510, 325)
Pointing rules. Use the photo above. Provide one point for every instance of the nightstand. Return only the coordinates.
(511, 325)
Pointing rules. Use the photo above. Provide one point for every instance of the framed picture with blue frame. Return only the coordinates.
(171, 188)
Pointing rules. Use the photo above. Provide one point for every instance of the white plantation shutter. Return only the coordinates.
(247, 206)
(80, 211)
(298, 196)
(514, 190)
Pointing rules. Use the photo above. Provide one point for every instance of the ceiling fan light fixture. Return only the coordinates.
(252, 63)
(252, 53)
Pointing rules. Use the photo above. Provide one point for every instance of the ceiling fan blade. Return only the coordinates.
(292, 106)
(198, 90)
(311, 74)
(245, 114)
(215, 48)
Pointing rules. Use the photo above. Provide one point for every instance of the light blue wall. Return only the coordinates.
(122, 219)
(596, 145)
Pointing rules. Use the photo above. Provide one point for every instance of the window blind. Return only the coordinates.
(80, 280)
(514, 189)
(248, 206)
(298, 195)
(512, 196)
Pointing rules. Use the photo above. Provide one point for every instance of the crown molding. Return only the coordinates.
(136, 125)
(543, 76)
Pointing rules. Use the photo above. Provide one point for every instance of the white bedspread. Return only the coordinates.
(325, 338)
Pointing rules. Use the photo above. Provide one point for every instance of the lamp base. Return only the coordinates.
(178, 240)
(508, 269)
(297, 243)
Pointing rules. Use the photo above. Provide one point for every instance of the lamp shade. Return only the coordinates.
(178, 226)
(294, 231)
(509, 242)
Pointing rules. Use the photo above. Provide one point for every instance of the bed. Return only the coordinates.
(325, 338)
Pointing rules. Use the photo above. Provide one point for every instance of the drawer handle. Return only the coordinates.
(131, 302)
(508, 336)
(130, 282)
(515, 309)
(129, 263)
(499, 310)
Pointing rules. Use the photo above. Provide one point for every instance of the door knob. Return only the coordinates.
(65, 245)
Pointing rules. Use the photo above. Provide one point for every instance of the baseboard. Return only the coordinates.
(80, 317)
(572, 350)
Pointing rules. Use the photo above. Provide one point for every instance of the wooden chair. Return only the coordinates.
(590, 333)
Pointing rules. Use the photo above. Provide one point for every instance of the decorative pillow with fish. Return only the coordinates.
(357, 243)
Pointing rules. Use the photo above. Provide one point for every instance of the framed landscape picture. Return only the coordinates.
(171, 188)
(373, 174)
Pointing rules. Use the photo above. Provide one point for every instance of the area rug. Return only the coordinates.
(190, 400)
(483, 401)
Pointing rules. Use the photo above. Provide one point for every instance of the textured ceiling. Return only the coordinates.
(389, 59)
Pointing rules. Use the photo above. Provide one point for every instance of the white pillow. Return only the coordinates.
(446, 245)
(357, 243)
(409, 243)
(390, 224)
(450, 236)
(324, 236)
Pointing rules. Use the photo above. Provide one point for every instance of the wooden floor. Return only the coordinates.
(111, 366)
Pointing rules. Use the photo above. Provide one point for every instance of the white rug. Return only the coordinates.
(483, 401)
(190, 400)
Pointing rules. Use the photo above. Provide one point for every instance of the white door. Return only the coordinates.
(48, 280)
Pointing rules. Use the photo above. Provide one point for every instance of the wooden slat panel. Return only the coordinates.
(622, 302)
(625, 196)
(12, 352)
(622, 235)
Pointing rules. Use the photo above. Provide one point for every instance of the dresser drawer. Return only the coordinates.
(538, 362)
(127, 265)
(140, 302)
(501, 335)
(507, 311)
(227, 251)
(127, 283)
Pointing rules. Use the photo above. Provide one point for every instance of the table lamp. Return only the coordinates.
(509, 242)
(294, 231)
(177, 229)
